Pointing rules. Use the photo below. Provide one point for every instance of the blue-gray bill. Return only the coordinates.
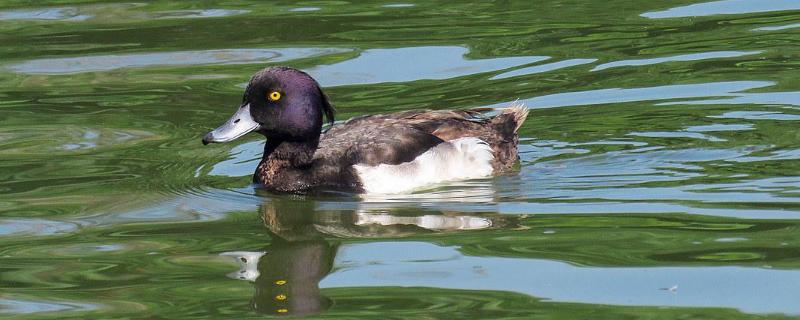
(238, 125)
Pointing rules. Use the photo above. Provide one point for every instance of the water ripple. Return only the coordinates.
(768, 98)
(724, 7)
(38, 227)
(619, 95)
(758, 115)
(19, 306)
(305, 9)
(242, 161)
(410, 64)
(776, 28)
(398, 5)
(543, 68)
(683, 57)
(114, 11)
(721, 127)
(177, 58)
(204, 13)
(670, 134)
(673, 167)
(400, 264)
(66, 14)
(184, 205)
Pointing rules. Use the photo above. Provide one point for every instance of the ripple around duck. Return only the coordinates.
(183, 205)
(94, 139)
(591, 177)
(32, 140)
(649, 181)
(161, 59)
(724, 7)
(243, 160)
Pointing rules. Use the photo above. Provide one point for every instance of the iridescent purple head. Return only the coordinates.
(280, 103)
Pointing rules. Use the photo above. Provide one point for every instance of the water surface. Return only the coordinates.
(658, 173)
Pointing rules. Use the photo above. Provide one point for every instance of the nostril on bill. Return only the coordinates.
(237, 120)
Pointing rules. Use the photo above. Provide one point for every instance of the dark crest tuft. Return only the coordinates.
(327, 108)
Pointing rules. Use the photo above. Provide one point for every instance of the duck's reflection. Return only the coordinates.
(287, 273)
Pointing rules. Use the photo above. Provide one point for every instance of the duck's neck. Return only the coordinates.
(294, 153)
(283, 161)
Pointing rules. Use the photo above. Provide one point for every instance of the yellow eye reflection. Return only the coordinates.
(274, 96)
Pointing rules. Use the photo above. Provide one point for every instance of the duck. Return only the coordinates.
(392, 153)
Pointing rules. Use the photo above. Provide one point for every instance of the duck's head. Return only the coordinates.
(280, 103)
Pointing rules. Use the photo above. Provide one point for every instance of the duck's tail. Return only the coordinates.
(516, 113)
(504, 137)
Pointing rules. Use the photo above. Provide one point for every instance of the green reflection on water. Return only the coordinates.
(110, 207)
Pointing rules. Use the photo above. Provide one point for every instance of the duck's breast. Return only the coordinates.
(459, 159)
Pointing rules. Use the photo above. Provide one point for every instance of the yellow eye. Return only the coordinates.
(274, 96)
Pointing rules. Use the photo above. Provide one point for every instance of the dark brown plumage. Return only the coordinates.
(400, 137)
(302, 159)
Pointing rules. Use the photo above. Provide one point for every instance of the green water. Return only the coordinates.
(659, 179)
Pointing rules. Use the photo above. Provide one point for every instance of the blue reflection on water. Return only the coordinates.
(683, 57)
(725, 7)
(176, 58)
(421, 264)
(410, 64)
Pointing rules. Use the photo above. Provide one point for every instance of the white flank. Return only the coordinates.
(459, 159)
